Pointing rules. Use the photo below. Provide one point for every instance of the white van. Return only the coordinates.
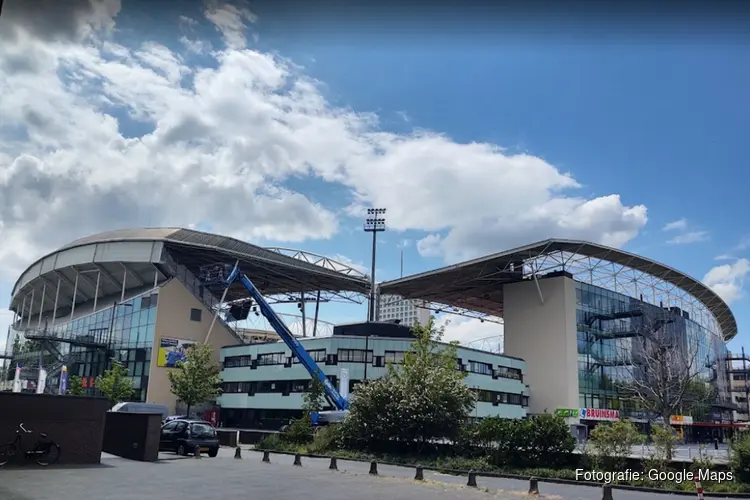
(142, 408)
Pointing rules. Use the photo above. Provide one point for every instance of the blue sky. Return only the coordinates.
(660, 122)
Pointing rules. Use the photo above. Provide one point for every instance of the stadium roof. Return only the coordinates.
(143, 256)
(477, 284)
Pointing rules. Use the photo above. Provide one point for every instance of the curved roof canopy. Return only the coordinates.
(477, 284)
(104, 264)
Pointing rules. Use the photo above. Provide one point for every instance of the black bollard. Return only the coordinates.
(197, 452)
(533, 486)
(334, 465)
(607, 492)
(419, 476)
(716, 444)
(373, 468)
(238, 453)
(472, 479)
(298, 460)
(266, 457)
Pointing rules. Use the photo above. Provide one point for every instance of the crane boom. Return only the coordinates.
(218, 275)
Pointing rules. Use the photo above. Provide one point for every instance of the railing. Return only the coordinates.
(200, 292)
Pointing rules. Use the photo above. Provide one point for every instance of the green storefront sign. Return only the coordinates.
(567, 412)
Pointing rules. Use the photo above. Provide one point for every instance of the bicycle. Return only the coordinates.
(45, 451)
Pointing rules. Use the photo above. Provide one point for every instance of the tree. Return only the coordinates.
(196, 380)
(75, 386)
(315, 398)
(612, 443)
(421, 400)
(666, 374)
(115, 384)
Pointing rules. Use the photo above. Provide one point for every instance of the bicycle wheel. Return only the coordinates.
(7, 452)
(46, 453)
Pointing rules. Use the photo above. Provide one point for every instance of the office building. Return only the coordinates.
(406, 312)
(264, 384)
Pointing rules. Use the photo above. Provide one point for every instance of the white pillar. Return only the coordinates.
(124, 281)
(41, 304)
(31, 308)
(23, 310)
(57, 297)
(75, 294)
(96, 291)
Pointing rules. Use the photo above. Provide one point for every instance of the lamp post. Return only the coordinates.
(375, 223)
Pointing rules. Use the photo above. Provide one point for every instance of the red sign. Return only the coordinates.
(599, 414)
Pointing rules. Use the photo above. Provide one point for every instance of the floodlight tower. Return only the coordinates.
(375, 223)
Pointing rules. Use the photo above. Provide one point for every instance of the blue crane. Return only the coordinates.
(224, 275)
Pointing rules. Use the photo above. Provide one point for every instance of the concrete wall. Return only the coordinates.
(173, 320)
(133, 435)
(545, 336)
(76, 424)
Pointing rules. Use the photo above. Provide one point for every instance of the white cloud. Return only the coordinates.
(6, 318)
(728, 280)
(676, 225)
(356, 265)
(468, 331)
(212, 146)
(689, 237)
(231, 20)
(686, 235)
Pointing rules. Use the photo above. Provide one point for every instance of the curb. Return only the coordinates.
(501, 475)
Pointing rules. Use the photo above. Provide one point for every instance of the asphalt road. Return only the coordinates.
(178, 478)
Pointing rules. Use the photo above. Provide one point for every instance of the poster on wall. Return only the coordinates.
(172, 351)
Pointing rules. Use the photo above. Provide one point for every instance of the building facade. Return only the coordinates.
(407, 312)
(596, 342)
(264, 384)
(134, 296)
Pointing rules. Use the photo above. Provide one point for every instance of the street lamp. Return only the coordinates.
(375, 223)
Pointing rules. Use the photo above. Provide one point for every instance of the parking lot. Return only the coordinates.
(174, 478)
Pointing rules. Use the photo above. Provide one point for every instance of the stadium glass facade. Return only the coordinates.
(610, 328)
(131, 340)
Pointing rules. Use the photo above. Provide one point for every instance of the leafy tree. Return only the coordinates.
(315, 399)
(196, 380)
(115, 384)
(612, 443)
(75, 386)
(421, 400)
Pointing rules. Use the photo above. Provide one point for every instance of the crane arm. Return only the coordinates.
(289, 339)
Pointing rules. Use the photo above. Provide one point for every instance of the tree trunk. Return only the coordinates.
(188, 411)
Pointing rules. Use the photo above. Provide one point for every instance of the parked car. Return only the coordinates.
(133, 407)
(182, 436)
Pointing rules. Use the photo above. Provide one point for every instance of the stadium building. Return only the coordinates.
(585, 318)
(133, 295)
(581, 316)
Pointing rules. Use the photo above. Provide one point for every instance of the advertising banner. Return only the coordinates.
(172, 351)
(17, 380)
(63, 380)
(41, 381)
(598, 414)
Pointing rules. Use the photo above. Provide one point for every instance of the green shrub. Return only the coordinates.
(326, 439)
(611, 443)
(543, 440)
(740, 458)
(271, 442)
(299, 431)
